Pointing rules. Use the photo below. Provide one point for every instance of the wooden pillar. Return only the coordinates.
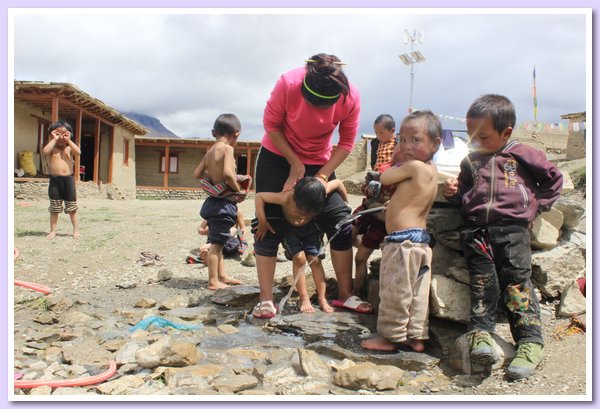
(167, 165)
(54, 114)
(111, 148)
(78, 121)
(96, 151)
(248, 160)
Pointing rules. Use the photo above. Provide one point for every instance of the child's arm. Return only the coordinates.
(203, 228)
(74, 148)
(454, 188)
(399, 174)
(55, 135)
(259, 207)
(229, 169)
(240, 222)
(334, 185)
(546, 174)
(200, 169)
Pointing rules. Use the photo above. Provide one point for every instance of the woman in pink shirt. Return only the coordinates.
(305, 107)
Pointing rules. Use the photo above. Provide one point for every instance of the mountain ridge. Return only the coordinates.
(155, 128)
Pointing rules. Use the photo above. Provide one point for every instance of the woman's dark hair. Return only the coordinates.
(325, 80)
(497, 107)
(60, 124)
(227, 124)
(310, 195)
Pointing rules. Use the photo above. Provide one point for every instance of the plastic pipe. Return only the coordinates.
(57, 383)
(33, 286)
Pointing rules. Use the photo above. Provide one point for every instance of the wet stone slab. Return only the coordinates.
(339, 335)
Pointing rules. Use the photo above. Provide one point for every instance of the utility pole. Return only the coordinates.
(413, 58)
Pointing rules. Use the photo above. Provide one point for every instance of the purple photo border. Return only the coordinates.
(240, 4)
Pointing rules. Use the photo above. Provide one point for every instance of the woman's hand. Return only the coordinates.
(296, 173)
(261, 229)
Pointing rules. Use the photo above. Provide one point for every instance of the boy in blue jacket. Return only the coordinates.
(502, 187)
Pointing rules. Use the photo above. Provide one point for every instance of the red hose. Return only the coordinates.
(33, 286)
(88, 380)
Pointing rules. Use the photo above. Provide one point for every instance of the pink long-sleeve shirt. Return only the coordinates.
(309, 129)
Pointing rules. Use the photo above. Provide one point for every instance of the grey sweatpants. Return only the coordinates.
(404, 280)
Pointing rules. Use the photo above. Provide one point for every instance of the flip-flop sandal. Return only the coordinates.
(353, 304)
(264, 310)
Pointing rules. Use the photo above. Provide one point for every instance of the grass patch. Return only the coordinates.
(25, 233)
(94, 243)
(40, 303)
(578, 177)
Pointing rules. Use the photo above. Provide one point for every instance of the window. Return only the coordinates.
(126, 152)
(173, 162)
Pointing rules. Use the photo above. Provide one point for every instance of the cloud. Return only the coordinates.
(185, 69)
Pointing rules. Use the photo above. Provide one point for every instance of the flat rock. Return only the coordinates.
(367, 375)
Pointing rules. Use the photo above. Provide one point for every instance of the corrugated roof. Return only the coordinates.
(40, 94)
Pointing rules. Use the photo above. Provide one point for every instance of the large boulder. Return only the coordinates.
(450, 299)
(553, 269)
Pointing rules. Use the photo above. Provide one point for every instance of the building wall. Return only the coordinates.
(124, 176)
(355, 162)
(576, 145)
(26, 131)
(148, 166)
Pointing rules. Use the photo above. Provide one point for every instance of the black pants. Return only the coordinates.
(271, 173)
(499, 262)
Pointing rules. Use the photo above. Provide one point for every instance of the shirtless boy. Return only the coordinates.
(59, 152)
(220, 212)
(405, 270)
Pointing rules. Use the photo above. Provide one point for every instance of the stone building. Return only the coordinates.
(576, 139)
(105, 136)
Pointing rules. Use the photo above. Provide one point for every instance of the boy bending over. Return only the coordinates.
(502, 186)
(405, 269)
(299, 234)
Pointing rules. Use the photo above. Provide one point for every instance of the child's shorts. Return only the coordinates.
(220, 215)
(62, 188)
(306, 238)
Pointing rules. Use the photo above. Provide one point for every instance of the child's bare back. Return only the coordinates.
(215, 161)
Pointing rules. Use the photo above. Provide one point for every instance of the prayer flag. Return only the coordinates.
(534, 98)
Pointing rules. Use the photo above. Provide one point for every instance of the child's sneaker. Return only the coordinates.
(527, 358)
(483, 352)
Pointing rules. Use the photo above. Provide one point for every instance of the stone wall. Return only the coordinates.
(169, 194)
(37, 189)
(355, 162)
(576, 145)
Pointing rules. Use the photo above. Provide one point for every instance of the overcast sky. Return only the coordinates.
(185, 69)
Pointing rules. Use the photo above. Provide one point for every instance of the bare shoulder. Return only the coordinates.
(418, 166)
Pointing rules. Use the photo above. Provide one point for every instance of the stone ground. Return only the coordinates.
(101, 271)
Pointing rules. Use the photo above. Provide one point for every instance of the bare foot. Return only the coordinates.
(379, 344)
(51, 235)
(416, 345)
(75, 234)
(219, 285)
(306, 306)
(229, 280)
(325, 307)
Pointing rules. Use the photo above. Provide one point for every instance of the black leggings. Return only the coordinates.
(271, 173)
